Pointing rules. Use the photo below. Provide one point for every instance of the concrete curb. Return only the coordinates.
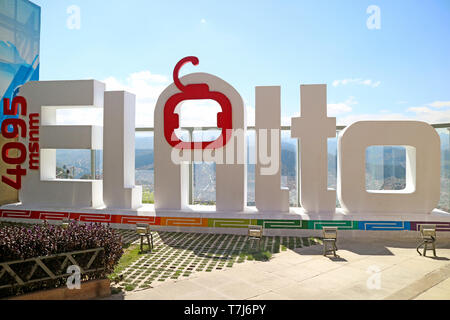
(89, 290)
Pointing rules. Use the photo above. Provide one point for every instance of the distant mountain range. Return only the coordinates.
(385, 167)
(391, 158)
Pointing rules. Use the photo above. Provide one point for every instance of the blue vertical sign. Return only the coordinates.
(20, 24)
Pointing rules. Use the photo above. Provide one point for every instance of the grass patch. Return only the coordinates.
(259, 255)
(131, 254)
(130, 287)
(177, 257)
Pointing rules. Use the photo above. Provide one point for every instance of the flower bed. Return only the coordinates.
(28, 243)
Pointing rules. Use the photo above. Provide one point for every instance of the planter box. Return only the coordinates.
(39, 262)
(89, 290)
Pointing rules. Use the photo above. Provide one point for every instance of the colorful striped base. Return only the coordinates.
(194, 222)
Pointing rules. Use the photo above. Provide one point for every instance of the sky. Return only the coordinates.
(391, 63)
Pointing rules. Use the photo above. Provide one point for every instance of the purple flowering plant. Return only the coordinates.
(24, 242)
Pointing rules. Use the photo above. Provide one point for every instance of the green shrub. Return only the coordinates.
(21, 243)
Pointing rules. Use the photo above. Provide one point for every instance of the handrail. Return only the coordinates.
(338, 128)
(191, 130)
(5, 267)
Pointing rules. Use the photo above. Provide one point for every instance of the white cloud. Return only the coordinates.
(203, 21)
(147, 87)
(347, 120)
(439, 104)
(335, 109)
(419, 109)
(80, 116)
(433, 112)
(430, 115)
(190, 110)
(338, 108)
(358, 81)
(345, 107)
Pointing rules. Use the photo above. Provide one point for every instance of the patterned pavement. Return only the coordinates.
(178, 255)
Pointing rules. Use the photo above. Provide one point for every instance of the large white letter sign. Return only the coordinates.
(171, 178)
(422, 143)
(41, 187)
(313, 128)
(268, 194)
(119, 190)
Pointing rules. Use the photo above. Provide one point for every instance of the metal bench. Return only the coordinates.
(255, 233)
(329, 240)
(65, 223)
(143, 230)
(428, 235)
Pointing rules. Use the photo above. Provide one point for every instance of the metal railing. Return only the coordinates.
(39, 262)
(250, 128)
(338, 128)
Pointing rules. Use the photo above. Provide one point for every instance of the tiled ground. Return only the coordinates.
(366, 269)
(178, 255)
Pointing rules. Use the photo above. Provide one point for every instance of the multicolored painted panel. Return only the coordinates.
(341, 224)
(136, 219)
(440, 226)
(283, 224)
(384, 225)
(231, 223)
(184, 222)
(222, 222)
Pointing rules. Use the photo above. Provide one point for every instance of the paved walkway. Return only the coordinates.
(375, 269)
